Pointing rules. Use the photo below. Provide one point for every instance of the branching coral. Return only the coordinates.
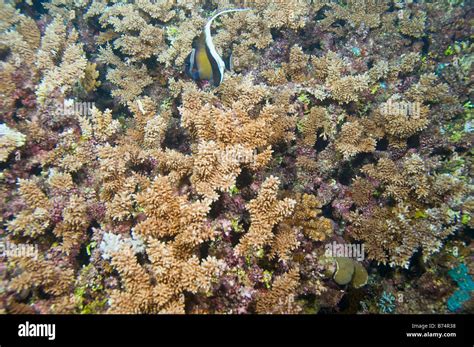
(130, 79)
(359, 13)
(353, 140)
(265, 212)
(174, 267)
(170, 215)
(45, 275)
(71, 67)
(400, 120)
(170, 273)
(281, 297)
(231, 137)
(34, 220)
(412, 24)
(418, 219)
(9, 141)
(308, 217)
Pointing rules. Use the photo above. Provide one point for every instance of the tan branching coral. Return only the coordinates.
(159, 287)
(391, 237)
(348, 88)
(45, 275)
(419, 218)
(10, 139)
(69, 70)
(399, 183)
(129, 78)
(22, 38)
(297, 68)
(359, 13)
(412, 23)
(402, 119)
(284, 243)
(35, 219)
(73, 228)
(319, 119)
(429, 89)
(72, 153)
(170, 274)
(361, 191)
(172, 215)
(121, 206)
(30, 222)
(60, 181)
(265, 212)
(291, 14)
(231, 137)
(99, 125)
(90, 80)
(307, 216)
(177, 165)
(155, 129)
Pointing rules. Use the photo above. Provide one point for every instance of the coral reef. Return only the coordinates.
(128, 187)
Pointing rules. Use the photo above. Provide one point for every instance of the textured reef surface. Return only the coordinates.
(329, 172)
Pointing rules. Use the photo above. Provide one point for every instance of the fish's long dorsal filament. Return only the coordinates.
(210, 44)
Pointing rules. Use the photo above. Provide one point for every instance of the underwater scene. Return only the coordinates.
(236, 157)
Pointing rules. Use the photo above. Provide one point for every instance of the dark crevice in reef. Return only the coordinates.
(83, 259)
(321, 143)
(175, 137)
(361, 159)
(350, 303)
(36, 170)
(4, 165)
(417, 265)
(391, 202)
(103, 99)
(461, 149)
(4, 53)
(327, 210)
(426, 46)
(384, 270)
(79, 176)
(142, 258)
(345, 174)
(204, 250)
(216, 208)
(348, 170)
(382, 144)
(146, 167)
(314, 47)
(338, 23)
(244, 179)
(441, 151)
(276, 34)
(413, 141)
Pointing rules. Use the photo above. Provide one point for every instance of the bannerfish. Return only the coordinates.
(204, 63)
